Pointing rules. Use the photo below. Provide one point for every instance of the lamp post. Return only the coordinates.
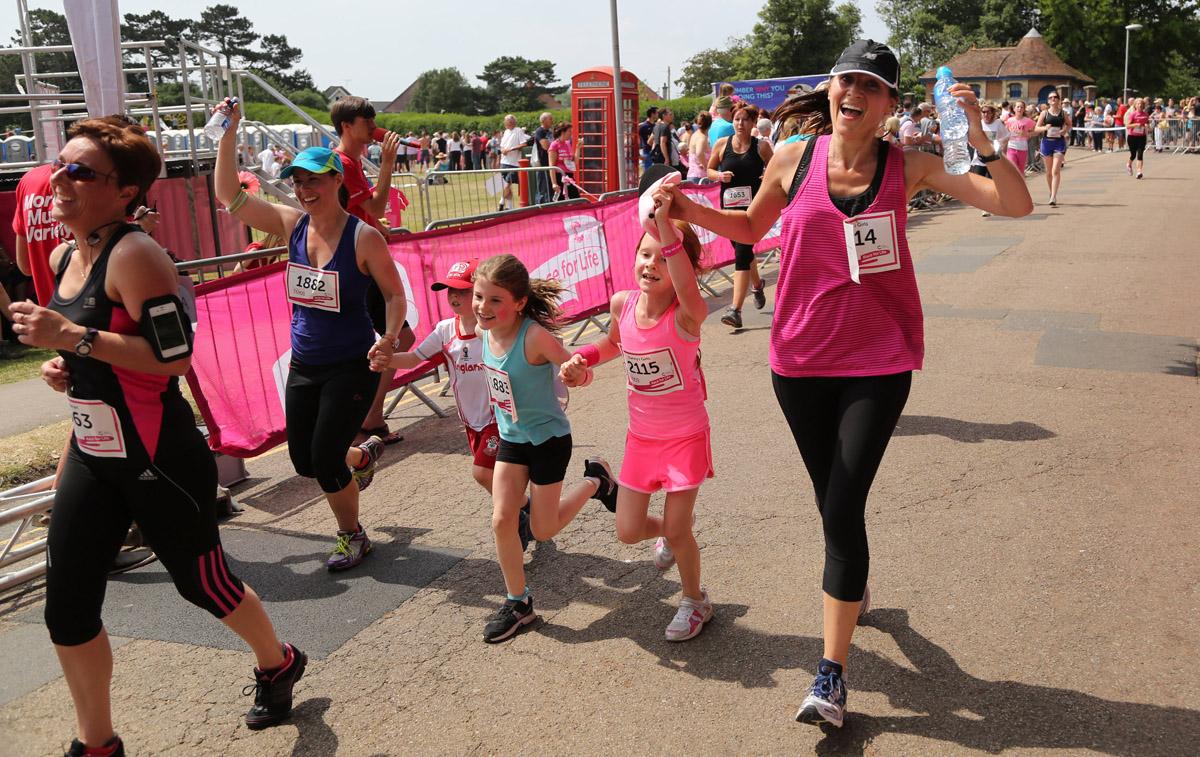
(1125, 88)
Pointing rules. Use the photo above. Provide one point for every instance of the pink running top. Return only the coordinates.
(663, 375)
(825, 324)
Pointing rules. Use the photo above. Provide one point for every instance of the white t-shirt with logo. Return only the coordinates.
(463, 355)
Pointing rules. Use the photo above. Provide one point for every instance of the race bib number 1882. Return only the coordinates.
(313, 287)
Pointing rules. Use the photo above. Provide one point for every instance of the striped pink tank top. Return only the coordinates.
(663, 376)
(825, 324)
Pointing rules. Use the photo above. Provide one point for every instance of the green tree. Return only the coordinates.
(309, 98)
(444, 90)
(515, 83)
(227, 30)
(277, 61)
(794, 37)
(713, 65)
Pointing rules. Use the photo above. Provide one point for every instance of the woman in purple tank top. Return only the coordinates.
(847, 331)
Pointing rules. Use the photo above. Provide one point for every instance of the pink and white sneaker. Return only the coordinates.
(664, 558)
(689, 620)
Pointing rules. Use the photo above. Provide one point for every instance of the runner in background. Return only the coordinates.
(135, 454)
(1054, 126)
(37, 233)
(848, 330)
(353, 119)
(1136, 120)
(655, 331)
(997, 132)
(699, 148)
(331, 257)
(738, 162)
(518, 320)
(1020, 128)
(564, 154)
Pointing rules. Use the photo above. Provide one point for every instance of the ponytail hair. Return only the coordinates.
(806, 114)
(541, 295)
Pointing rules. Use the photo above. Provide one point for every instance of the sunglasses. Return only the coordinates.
(77, 171)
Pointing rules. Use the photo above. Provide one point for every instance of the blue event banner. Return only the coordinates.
(768, 94)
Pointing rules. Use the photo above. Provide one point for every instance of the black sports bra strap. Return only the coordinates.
(802, 169)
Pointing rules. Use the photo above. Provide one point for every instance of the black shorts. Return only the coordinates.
(509, 177)
(981, 171)
(377, 308)
(547, 462)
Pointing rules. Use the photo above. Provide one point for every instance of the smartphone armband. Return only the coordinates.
(165, 324)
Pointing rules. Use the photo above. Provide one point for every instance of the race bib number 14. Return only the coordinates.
(871, 244)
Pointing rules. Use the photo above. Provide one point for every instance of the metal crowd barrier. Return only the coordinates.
(445, 195)
(23, 505)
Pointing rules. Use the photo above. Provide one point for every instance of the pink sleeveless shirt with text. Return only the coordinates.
(663, 376)
(825, 323)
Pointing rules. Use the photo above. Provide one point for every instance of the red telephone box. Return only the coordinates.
(593, 103)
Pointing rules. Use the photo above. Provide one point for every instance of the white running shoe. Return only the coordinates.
(826, 700)
(689, 620)
(664, 558)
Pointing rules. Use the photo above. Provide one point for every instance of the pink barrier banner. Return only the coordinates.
(243, 346)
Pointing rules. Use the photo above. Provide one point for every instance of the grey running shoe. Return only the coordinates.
(760, 296)
(373, 449)
(732, 318)
(606, 492)
(350, 549)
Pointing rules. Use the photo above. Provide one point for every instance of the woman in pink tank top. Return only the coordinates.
(655, 329)
(847, 332)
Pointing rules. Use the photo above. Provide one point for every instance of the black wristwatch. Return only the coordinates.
(84, 348)
(989, 158)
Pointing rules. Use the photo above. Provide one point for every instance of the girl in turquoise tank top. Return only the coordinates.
(517, 321)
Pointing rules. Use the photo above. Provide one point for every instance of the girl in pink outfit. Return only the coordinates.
(1020, 127)
(656, 330)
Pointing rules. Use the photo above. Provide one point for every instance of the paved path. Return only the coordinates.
(29, 404)
(1034, 540)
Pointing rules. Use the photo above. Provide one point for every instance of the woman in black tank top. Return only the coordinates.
(135, 453)
(738, 162)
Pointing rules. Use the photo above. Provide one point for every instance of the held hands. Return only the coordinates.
(42, 327)
(575, 372)
(381, 353)
(55, 374)
(664, 201)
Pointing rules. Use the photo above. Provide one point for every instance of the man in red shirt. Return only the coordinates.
(1122, 109)
(354, 122)
(37, 233)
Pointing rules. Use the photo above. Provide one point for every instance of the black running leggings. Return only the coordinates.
(325, 407)
(842, 427)
(174, 502)
(1137, 147)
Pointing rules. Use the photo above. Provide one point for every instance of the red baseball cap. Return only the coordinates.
(459, 277)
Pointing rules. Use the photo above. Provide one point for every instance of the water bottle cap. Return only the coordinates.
(943, 72)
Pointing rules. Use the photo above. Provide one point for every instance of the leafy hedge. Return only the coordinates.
(274, 113)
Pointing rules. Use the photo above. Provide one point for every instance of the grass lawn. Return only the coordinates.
(22, 363)
(29, 456)
(462, 195)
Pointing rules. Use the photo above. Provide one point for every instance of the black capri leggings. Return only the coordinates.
(325, 405)
(173, 500)
(1137, 147)
(842, 427)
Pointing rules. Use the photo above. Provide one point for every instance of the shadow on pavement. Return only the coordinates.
(314, 734)
(968, 431)
(950, 705)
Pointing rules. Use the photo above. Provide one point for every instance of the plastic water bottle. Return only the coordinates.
(218, 122)
(953, 124)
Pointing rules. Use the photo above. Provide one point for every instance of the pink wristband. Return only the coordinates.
(672, 248)
(590, 354)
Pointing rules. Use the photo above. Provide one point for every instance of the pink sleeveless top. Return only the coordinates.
(825, 324)
(663, 376)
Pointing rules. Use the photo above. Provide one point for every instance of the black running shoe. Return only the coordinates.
(760, 296)
(273, 691)
(78, 748)
(523, 528)
(606, 492)
(508, 620)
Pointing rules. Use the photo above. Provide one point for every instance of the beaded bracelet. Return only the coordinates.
(238, 201)
(672, 248)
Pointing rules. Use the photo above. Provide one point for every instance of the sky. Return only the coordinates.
(574, 34)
